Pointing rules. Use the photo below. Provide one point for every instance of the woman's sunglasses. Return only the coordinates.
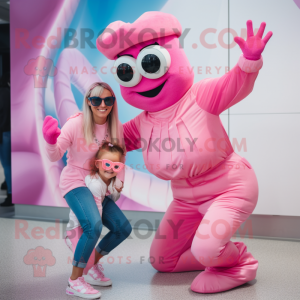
(96, 101)
(107, 165)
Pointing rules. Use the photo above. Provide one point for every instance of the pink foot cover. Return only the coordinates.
(219, 279)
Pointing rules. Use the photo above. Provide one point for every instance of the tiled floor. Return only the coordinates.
(278, 274)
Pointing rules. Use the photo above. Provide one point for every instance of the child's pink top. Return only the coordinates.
(80, 155)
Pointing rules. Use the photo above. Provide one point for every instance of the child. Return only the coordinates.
(101, 181)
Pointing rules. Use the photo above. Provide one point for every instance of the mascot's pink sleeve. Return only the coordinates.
(213, 95)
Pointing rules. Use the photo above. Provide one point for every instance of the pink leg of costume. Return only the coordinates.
(74, 236)
(196, 229)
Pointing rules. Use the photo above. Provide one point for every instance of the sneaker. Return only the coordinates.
(95, 276)
(81, 289)
(4, 186)
(7, 201)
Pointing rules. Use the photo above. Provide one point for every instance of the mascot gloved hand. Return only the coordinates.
(254, 45)
(184, 141)
(50, 130)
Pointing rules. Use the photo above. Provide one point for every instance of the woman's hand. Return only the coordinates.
(119, 190)
(254, 45)
(50, 130)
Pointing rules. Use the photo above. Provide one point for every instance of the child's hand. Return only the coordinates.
(119, 187)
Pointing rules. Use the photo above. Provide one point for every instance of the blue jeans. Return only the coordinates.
(5, 158)
(82, 203)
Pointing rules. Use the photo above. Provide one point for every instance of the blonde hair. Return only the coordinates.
(95, 90)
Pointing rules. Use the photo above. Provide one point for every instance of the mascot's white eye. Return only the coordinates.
(126, 71)
(153, 61)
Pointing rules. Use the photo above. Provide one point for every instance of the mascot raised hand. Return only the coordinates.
(183, 140)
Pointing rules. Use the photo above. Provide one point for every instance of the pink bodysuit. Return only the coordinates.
(215, 190)
(183, 140)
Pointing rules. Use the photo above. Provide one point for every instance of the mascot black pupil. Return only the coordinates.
(151, 63)
(125, 72)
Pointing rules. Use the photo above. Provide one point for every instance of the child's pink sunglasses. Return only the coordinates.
(107, 165)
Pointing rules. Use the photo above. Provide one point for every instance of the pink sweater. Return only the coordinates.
(187, 139)
(79, 154)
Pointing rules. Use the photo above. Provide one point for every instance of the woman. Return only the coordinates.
(81, 136)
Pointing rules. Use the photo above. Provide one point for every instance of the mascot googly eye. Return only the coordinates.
(153, 61)
(127, 73)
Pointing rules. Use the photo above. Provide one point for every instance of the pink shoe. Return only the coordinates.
(96, 276)
(218, 279)
(81, 289)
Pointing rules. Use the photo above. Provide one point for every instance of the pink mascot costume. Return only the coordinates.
(183, 140)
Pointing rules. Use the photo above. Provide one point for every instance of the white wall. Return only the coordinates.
(269, 117)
